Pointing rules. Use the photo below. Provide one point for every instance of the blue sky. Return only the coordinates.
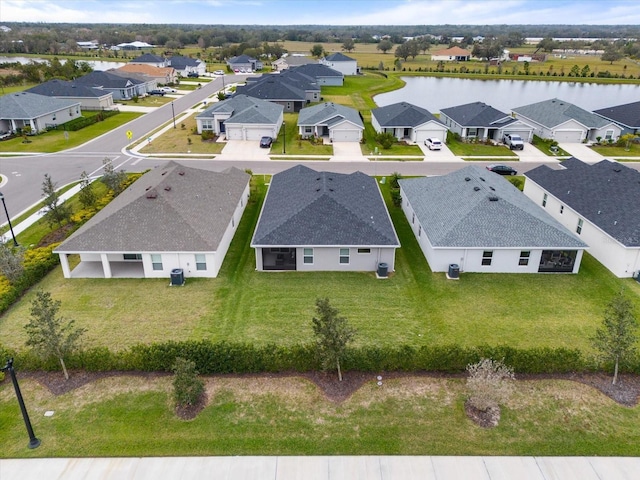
(327, 12)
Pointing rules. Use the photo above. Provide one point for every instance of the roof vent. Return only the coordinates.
(599, 212)
(164, 173)
(467, 179)
(617, 169)
(476, 189)
(167, 188)
(492, 189)
(181, 173)
(493, 198)
(152, 194)
(481, 178)
(147, 189)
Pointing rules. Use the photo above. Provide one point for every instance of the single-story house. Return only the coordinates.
(323, 221)
(407, 122)
(482, 121)
(122, 87)
(38, 112)
(151, 60)
(161, 75)
(478, 221)
(241, 118)
(136, 45)
(289, 61)
(627, 116)
(89, 98)
(185, 65)
(599, 202)
(564, 122)
(143, 83)
(320, 74)
(339, 123)
(244, 62)
(173, 217)
(453, 54)
(340, 62)
(288, 88)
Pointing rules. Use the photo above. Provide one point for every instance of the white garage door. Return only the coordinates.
(234, 133)
(524, 134)
(258, 133)
(346, 135)
(422, 135)
(568, 136)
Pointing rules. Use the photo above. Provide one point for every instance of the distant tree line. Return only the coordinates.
(38, 72)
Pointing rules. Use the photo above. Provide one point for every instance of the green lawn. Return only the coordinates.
(370, 145)
(616, 152)
(464, 149)
(414, 306)
(294, 145)
(545, 147)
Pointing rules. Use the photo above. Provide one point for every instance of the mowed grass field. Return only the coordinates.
(414, 306)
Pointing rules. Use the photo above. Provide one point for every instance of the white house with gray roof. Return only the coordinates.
(340, 62)
(477, 120)
(323, 221)
(562, 121)
(242, 118)
(38, 112)
(407, 122)
(479, 221)
(337, 122)
(173, 217)
(600, 202)
(89, 97)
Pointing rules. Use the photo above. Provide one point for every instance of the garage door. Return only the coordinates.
(568, 136)
(234, 133)
(422, 135)
(346, 135)
(258, 133)
(523, 134)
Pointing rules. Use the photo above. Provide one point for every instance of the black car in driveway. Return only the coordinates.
(502, 169)
(265, 142)
(157, 92)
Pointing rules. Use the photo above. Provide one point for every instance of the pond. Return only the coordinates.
(95, 64)
(435, 93)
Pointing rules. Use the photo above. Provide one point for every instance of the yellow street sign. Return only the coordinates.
(129, 134)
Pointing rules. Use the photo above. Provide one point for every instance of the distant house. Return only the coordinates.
(627, 116)
(173, 217)
(288, 88)
(407, 122)
(339, 123)
(143, 83)
(241, 118)
(291, 61)
(92, 45)
(482, 121)
(320, 74)
(185, 65)
(342, 63)
(150, 59)
(122, 88)
(38, 112)
(479, 221)
(244, 62)
(323, 221)
(89, 98)
(161, 75)
(137, 45)
(453, 54)
(600, 203)
(562, 121)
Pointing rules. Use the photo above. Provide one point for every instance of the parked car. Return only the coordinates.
(433, 143)
(265, 142)
(514, 142)
(168, 90)
(193, 75)
(502, 169)
(157, 92)
(218, 72)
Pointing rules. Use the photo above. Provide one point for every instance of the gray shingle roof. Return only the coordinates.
(627, 115)
(317, 70)
(339, 57)
(460, 213)
(477, 114)
(607, 194)
(63, 88)
(148, 58)
(273, 89)
(327, 114)
(108, 80)
(241, 59)
(554, 112)
(179, 62)
(189, 212)
(26, 105)
(403, 114)
(305, 207)
(246, 110)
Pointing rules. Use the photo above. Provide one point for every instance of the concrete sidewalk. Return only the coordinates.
(324, 468)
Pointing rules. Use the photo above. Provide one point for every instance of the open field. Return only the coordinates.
(414, 306)
(132, 416)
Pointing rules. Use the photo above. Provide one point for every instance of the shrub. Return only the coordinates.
(385, 139)
(489, 383)
(187, 387)
(207, 135)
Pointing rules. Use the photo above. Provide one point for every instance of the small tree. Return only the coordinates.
(317, 50)
(11, 261)
(385, 139)
(384, 46)
(489, 383)
(333, 333)
(87, 196)
(187, 387)
(616, 339)
(57, 212)
(348, 44)
(48, 334)
(112, 179)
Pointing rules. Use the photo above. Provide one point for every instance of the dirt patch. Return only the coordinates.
(488, 418)
(57, 235)
(189, 412)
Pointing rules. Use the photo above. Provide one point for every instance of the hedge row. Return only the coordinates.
(225, 357)
(81, 122)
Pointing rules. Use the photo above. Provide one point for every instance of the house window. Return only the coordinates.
(524, 258)
(156, 261)
(472, 132)
(54, 117)
(561, 209)
(544, 200)
(413, 218)
(487, 256)
(308, 129)
(364, 250)
(233, 222)
(579, 227)
(419, 230)
(344, 256)
(308, 256)
(207, 124)
(201, 261)
(132, 256)
(608, 135)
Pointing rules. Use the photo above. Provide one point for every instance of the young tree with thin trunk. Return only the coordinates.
(57, 211)
(11, 261)
(87, 196)
(333, 333)
(616, 339)
(49, 334)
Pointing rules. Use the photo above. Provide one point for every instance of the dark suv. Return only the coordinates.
(193, 75)
(265, 142)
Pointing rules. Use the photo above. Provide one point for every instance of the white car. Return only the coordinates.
(433, 143)
(168, 90)
(218, 72)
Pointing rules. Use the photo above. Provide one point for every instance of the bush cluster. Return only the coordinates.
(80, 123)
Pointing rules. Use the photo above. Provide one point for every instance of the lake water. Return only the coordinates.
(434, 93)
(95, 64)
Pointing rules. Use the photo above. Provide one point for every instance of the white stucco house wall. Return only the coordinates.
(337, 122)
(340, 62)
(408, 122)
(600, 203)
(38, 112)
(173, 217)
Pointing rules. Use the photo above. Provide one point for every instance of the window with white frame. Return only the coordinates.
(307, 256)
(132, 256)
(207, 124)
(487, 256)
(201, 261)
(156, 261)
(413, 218)
(608, 135)
(524, 258)
(579, 227)
(544, 200)
(419, 230)
(308, 129)
(364, 250)
(344, 256)
(472, 132)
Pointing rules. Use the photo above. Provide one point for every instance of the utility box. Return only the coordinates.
(177, 277)
(454, 270)
(383, 269)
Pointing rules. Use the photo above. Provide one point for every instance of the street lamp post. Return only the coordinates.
(284, 137)
(15, 242)
(33, 441)
(173, 114)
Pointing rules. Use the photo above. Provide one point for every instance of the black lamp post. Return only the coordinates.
(33, 441)
(173, 114)
(15, 242)
(284, 137)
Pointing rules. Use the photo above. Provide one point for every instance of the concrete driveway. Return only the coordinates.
(346, 151)
(582, 151)
(244, 150)
(532, 154)
(442, 155)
